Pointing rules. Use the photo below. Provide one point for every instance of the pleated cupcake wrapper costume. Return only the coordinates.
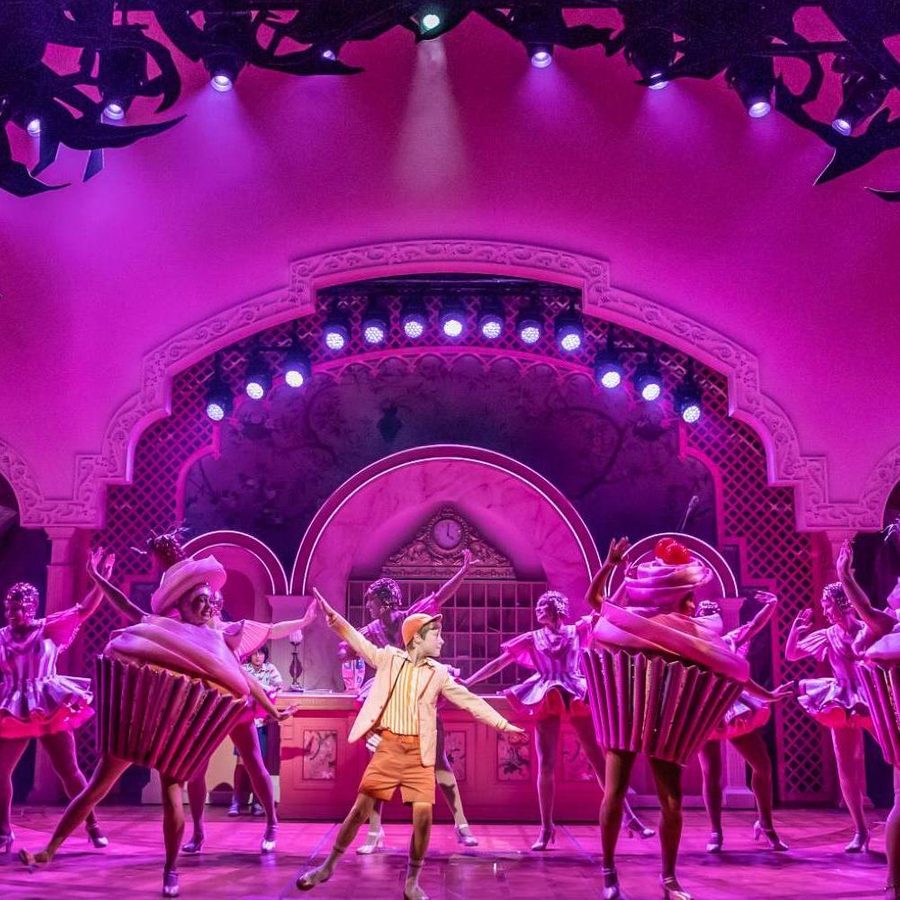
(881, 686)
(157, 718)
(646, 704)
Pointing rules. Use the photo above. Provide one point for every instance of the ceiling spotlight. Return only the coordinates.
(430, 21)
(864, 90)
(453, 320)
(374, 324)
(297, 366)
(228, 34)
(651, 51)
(490, 322)
(114, 111)
(688, 403)
(648, 378)
(608, 367)
(569, 330)
(753, 77)
(336, 331)
(529, 326)
(329, 54)
(258, 379)
(414, 318)
(219, 401)
(541, 55)
(34, 127)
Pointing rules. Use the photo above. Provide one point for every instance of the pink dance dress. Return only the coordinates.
(35, 700)
(557, 685)
(839, 701)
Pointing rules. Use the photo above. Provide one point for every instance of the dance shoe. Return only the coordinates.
(636, 828)
(170, 884)
(672, 890)
(611, 888)
(234, 810)
(270, 835)
(195, 844)
(309, 879)
(257, 810)
(771, 836)
(411, 890)
(414, 893)
(546, 838)
(6, 842)
(33, 860)
(859, 843)
(96, 836)
(464, 836)
(714, 844)
(374, 841)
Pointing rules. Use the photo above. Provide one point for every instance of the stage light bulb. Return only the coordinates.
(570, 342)
(413, 327)
(329, 54)
(542, 58)
(691, 413)
(657, 82)
(34, 127)
(294, 378)
(759, 108)
(842, 126)
(221, 82)
(651, 391)
(114, 110)
(452, 326)
(215, 411)
(611, 379)
(374, 333)
(255, 390)
(530, 333)
(430, 21)
(335, 340)
(492, 328)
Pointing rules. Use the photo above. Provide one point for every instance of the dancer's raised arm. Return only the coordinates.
(877, 621)
(800, 628)
(749, 630)
(103, 562)
(131, 611)
(618, 547)
(436, 600)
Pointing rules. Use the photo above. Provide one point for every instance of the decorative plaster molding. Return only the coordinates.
(786, 464)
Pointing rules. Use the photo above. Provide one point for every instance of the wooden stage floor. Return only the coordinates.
(501, 867)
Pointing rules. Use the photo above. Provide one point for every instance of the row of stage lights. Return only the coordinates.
(609, 370)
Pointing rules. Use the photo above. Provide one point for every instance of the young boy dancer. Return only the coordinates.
(402, 710)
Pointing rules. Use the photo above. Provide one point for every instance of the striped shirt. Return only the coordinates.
(401, 715)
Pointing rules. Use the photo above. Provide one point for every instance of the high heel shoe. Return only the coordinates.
(611, 887)
(464, 836)
(6, 842)
(267, 845)
(32, 860)
(170, 884)
(414, 892)
(96, 836)
(636, 828)
(309, 879)
(771, 835)
(714, 844)
(374, 841)
(672, 890)
(859, 843)
(195, 844)
(546, 838)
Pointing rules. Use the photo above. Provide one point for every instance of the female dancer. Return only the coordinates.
(177, 654)
(837, 702)
(35, 700)
(879, 642)
(557, 687)
(247, 637)
(658, 681)
(383, 602)
(741, 726)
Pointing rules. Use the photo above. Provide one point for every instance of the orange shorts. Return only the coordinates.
(398, 764)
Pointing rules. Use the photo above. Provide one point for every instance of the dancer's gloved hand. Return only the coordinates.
(765, 597)
(803, 622)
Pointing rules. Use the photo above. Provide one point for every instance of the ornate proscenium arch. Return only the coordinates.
(546, 508)
(786, 464)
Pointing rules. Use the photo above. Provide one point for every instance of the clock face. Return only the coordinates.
(447, 533)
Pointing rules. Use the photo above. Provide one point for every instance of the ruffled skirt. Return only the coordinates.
(648, 704)
(881, 685)
(153, 717)
(539, 698)
(833, 704)
(745, 715)
(45, 706)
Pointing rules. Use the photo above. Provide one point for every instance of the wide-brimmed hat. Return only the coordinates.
(413, 624)
(184, 576)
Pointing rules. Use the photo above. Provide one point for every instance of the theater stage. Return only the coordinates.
(501, 867)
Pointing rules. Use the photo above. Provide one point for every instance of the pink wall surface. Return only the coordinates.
(695, 206)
